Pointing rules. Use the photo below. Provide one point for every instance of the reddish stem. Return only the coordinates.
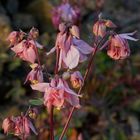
(79, 92)
(97, 44)
(52, 108)
(51, 124)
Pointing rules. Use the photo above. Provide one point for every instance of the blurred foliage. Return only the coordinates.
(111, 104)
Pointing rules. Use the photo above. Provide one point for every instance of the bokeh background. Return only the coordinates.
(111, 103)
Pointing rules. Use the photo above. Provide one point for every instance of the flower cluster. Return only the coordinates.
(71, 50)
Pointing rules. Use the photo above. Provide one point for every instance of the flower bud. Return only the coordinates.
(66, 75)
(34, 33)
(33, 113)
(75, 31)
(76, 79)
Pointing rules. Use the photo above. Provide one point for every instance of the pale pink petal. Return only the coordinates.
(82, 46)
(18, 48)
(72, 58)
(51, 51)
(40, 86)
(126, 36)
(35, 43)
(31, 55)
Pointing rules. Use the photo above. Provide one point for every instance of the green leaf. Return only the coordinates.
(36, 102)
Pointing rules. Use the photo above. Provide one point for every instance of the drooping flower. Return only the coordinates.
(65, 13)
(24, 45)
(26, 50)
(35, 75)
(99, 28)
(76, 79)
(57, 93)
(118, 47)
(19, 126)
(70, 48)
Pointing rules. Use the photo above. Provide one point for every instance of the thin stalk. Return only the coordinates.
(51, 124)
(52, 108)
(85, 78)
(79, 92)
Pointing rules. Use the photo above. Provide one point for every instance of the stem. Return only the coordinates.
(51, 124)
(52, 108)
(79, 92)
(97, 44)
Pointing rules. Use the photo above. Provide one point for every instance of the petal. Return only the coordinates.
(31, 55)
(40, 86)
(82, 46)
(18, 48)
(51, 51)
(72, 58)
(32, 128)
(35, 43)
(126, 36)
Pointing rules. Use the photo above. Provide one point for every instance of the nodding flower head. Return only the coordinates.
(57, 93)
(19, 126)
(99, 28)
(35, 75)
(118, 46)
(70, 48)
(65, 13)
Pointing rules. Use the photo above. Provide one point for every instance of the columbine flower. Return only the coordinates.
(35, 75)
(76, 79)
(57, 93)
(26, 50)
(20, 126)
(24, 44)
(70, 48)
(118, 46)
(99, 28)
(65, 13)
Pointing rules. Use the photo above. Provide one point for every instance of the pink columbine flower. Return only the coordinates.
(35, 75)
(57, 93)
(118, 46)
(20, 126)
(70, 48)
(99, 28)
(26, 50)
(65, 13)
(76, 79)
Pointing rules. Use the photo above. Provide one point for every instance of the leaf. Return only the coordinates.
(36, 102)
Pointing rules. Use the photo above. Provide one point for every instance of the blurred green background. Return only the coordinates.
(111, 105)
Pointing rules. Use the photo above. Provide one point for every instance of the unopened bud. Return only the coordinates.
(66, 75)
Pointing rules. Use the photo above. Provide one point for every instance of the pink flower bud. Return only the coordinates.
(34, 33)
(76, 79)
(99, 28)
(15, 37)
